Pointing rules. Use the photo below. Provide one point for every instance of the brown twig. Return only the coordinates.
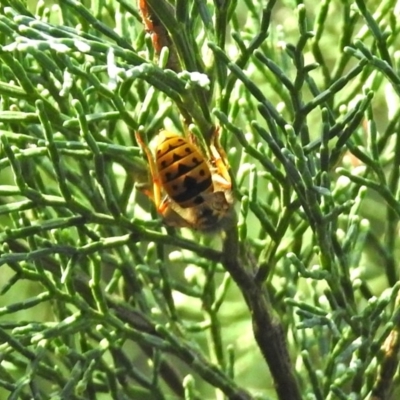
(390, 362)
(268, 331)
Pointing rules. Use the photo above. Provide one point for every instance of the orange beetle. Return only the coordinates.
(197, 191)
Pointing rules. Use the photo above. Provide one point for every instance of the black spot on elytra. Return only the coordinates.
(175, 187)
(193, 188)
(172, 147)
(163, 164)
(187, 150)
(202, 172)
(184, 169)
(176, 157)
(189, 182)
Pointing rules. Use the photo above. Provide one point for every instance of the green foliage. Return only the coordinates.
(297, 299)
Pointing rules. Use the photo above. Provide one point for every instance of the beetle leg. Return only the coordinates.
(220, 160)
(156, 195)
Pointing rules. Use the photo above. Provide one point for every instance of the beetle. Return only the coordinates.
(189, 189)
